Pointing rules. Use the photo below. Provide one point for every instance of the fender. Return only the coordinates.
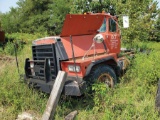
(98, 62)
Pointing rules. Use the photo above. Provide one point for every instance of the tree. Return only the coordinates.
(34, 15)
(142, 16)
(58, 11)
(40, 16)
(156, 32)
(10, 21)
(82, 6)
(47, 16)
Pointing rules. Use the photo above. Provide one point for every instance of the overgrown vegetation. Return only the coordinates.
(132, 98)
(15, 96)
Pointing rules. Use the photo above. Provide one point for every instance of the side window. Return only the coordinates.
(112, 25)
(103, 26)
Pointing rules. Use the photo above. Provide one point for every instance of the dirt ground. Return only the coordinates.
(4, 60)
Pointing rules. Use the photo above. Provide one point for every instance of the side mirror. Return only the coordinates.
(98, 38)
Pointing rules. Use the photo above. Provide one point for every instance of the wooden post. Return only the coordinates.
(54, 96)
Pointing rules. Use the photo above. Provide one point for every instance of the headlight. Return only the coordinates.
(32, 67)
(31, 64)
(74, 68)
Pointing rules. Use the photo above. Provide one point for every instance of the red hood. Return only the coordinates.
(81, 24)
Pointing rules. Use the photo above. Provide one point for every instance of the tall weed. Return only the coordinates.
(15, 96)
(133, 98)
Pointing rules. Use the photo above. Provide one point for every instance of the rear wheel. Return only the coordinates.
(104, 74)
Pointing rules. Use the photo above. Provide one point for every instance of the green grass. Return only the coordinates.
(133, 98)
(15, 96)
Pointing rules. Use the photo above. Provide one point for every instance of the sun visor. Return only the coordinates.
(81, 24)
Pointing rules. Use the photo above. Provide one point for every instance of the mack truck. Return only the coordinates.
(87, 48)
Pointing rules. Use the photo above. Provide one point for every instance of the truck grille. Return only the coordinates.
(40, 54)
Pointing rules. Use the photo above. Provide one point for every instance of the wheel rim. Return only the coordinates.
(107, 79)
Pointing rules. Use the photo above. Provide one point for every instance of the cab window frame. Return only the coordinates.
(112, 25)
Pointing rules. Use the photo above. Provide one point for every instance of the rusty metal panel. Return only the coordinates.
(2, 36)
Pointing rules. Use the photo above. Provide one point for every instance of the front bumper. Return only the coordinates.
(42, 79)
(71, 87)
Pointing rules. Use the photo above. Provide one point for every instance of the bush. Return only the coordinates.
(146, 67)
(18, 40)
(9, 48)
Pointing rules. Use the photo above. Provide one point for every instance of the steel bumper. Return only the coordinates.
(71, 87)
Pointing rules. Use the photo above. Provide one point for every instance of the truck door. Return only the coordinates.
(114, 36)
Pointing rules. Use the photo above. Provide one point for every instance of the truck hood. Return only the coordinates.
(81, 24)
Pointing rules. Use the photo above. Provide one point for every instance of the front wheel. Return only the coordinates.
(104, 74)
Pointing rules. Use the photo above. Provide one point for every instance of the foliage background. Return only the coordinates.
(47, 16)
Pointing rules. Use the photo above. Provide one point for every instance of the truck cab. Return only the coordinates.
(87, 49)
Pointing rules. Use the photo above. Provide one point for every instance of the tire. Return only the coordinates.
(157, 101)
(102, 73)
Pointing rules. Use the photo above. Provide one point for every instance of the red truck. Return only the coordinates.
(87, 49)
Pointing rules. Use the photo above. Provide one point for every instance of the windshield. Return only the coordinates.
(103, 26)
